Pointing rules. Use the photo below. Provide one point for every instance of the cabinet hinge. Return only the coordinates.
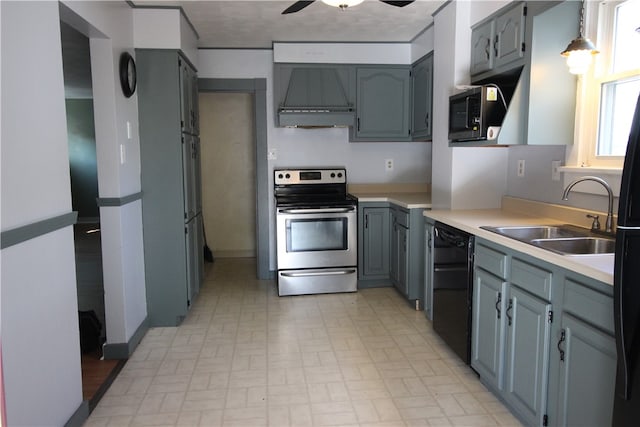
(545, 420)
(550, 316)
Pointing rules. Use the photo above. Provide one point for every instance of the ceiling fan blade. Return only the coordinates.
(397, 3)
(297, 6)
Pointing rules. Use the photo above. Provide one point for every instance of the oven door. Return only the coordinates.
(316, 238)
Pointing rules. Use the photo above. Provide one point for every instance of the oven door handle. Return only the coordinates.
(316, 211)
(320, 273)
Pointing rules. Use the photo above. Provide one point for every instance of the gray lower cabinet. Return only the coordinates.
(170, 178)
(542, 338)
(399, 257)
(511, 330)
(374, 247)
(391, 249)
(428, 268)
(586, 353)
(383, 105)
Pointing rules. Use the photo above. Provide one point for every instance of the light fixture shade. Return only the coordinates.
(579, 54)
(342, 4)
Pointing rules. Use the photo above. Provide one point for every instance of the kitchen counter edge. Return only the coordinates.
(407, 200)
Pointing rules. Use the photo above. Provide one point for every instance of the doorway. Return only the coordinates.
(227, 141)
(83, 170)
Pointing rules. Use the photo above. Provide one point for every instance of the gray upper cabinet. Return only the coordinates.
(189, 115)
(498, 43)
(422, 83)
(383, 104)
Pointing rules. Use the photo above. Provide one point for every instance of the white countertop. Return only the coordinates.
(408, 200)
(598, 267)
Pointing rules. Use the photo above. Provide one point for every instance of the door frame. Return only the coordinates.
(257, 87)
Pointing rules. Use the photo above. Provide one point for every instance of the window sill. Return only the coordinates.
(611, 175)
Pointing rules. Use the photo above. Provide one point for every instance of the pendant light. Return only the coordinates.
(580, 50)
(342, 4)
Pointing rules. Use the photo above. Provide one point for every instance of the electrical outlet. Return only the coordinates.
(388, 165)
(521, 168)
(555, 170)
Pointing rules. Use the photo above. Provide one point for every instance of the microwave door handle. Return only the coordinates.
(467, 125)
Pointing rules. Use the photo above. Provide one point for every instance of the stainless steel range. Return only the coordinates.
(316, 231)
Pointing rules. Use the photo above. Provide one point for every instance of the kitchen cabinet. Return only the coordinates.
(383, 96)
(428, 268)
(512, 329)
(422, 97)
(541, 336)
(170, 177)
(498, 43)
(374, 245)
(586, 352)
(399, 250)
(391, 249)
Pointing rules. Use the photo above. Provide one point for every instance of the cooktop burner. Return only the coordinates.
(316, 188)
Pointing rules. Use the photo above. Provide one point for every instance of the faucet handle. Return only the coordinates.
(596, 221)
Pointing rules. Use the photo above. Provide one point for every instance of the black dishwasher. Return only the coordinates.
(452, 288)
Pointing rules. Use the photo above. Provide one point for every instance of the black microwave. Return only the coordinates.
(475, 113)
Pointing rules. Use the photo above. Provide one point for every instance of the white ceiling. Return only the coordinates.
(256, 24)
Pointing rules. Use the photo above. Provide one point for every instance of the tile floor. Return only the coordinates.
(246, 357)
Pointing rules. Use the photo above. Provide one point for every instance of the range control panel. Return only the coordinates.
(309, 176)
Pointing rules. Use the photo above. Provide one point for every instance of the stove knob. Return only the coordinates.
(279, 176)
(287, 176)
(339, 174)
(333, 175)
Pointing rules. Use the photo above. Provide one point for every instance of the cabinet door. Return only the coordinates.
(587, 374)
(376, 242)
(191, 242)
(482, 49)
(383, 103)
(403, 261)
(487, 339)
(509, 36)
(428, 271)
(527, 354)
(394, 258)
(186, 94)
(187, 177)
(422, 79)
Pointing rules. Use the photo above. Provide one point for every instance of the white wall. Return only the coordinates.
(39, 306)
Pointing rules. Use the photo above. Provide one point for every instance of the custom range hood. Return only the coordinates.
(317, 97)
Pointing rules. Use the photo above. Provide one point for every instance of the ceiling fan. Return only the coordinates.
(342, 4)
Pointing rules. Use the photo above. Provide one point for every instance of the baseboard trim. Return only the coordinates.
(79, 416)
(125, 350)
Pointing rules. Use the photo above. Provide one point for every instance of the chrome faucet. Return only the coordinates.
(609, 223)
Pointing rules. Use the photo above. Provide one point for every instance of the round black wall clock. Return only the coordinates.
(127, 74)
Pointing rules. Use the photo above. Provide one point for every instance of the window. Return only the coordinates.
(619, 78)
(612, 88)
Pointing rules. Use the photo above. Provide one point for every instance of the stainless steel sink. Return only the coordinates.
(564, 239)
(528, 233)
(578, 245)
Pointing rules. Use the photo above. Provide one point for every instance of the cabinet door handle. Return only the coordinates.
(487, 49)
(498, 301)
(562, 339)
(495, 47)
(358, 124)
(509, 309)
(366, 221)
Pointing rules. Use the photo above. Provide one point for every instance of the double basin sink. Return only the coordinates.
(562, 239)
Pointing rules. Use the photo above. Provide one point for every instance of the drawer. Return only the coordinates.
(531, 278)
(589, 305)
(401, 217)
(491, 260)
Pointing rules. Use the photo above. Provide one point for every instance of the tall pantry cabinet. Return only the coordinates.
(171, 186)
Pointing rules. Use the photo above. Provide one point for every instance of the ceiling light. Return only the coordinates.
(580, 50)
(342, 4)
